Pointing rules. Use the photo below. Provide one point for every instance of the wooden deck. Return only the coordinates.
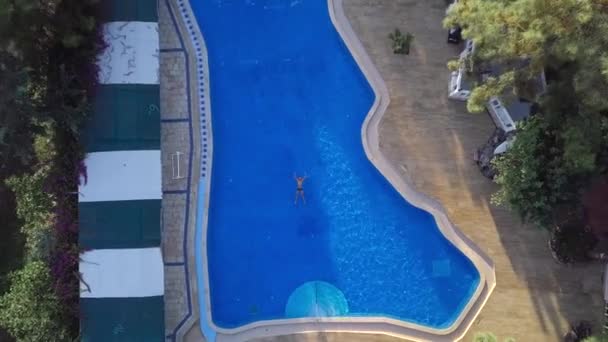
(434, 140)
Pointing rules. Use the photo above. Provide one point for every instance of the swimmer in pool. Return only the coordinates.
(299, 188)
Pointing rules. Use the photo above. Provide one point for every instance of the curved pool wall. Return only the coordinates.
(272, 102)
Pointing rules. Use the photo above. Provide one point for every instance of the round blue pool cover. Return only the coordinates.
(316, 299)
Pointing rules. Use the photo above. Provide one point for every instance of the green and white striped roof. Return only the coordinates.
(120, 205)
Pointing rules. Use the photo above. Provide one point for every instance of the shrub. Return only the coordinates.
(34, 205)
(401, 43)
(596, 338)
(485, 337)
(571, 243)
(48, 52)
(532, 183)
(489, 337)
(30, 308)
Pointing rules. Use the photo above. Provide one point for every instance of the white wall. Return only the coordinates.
(131, 55)
(122, 176)
(119, 273)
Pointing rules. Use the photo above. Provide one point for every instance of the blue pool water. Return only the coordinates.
(287, 96)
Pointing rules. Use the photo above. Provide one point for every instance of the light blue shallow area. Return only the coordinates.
(286, 96)
(207, 330)
(316, 299)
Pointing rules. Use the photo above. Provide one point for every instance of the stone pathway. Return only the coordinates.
(180, 151)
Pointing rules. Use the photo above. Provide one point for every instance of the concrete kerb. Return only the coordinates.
(371, 145)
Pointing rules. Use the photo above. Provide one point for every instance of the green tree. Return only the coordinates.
(555, 155)
(34, 208)
(16, 116)
(48, 76)
(47, 65)
(532, 182)
(546, 33)
(30, 309)
(564, 146)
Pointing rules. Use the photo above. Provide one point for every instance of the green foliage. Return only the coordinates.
(565, 145)
(29, 310)
(597, 338)
(489, 337)
(453, 65)
(485, 337)
(547, 34)
(578, 151)
(556, 154)
(401, 42)
(48, 75)
(16, 111)
(582, 138)
(45, 148)
(494, 86)
(530, 175)
(47, 64)
(34, 205)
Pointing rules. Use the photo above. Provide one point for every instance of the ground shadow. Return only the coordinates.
(433, 139)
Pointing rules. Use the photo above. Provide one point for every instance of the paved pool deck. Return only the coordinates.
(431, 140)
(180, 133)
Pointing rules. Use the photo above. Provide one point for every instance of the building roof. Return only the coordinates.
(122, 292)
(519, 109)
(466, 82)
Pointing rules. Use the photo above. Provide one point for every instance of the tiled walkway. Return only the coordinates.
(180, 149)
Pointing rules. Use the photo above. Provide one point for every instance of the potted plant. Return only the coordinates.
(401, 43)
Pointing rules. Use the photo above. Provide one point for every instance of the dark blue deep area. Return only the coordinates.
(287, 96)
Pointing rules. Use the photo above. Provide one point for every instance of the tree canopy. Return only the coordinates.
(48, 76)
(549, 34)
(30, 309)
(558, 151)
(46, 54)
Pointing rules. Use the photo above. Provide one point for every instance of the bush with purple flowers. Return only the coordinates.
(48, 69)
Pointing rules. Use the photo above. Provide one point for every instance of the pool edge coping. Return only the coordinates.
(370, 139)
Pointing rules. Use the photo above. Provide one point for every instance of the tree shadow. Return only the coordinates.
(433, 138)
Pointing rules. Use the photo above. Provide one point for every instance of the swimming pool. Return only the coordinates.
(288, 97)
